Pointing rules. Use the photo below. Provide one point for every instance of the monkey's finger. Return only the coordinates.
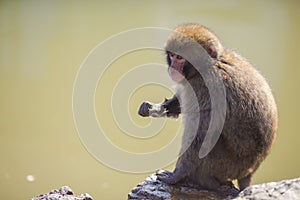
(162, 176)
(166, 177)
(165, 173)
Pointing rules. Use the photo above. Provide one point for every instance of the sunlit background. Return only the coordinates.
(43, 44)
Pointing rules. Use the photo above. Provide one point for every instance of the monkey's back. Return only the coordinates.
(251, 119)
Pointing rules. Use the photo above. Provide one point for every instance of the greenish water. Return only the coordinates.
(43, 44)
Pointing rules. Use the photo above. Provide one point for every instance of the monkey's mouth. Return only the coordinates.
(176, 73)
(178, 68)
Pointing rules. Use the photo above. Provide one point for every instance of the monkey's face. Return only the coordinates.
(176, 66)
(179, 68)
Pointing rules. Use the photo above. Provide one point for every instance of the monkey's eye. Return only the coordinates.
(179, 57)
(170, 54)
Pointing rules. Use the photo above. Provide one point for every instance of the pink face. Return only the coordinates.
(176, 67)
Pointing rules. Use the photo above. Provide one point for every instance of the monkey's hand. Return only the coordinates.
(154, 110)
(168, 177)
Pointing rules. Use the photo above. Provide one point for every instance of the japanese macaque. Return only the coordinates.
(250, 120)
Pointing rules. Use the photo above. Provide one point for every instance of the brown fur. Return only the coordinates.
(250, 124)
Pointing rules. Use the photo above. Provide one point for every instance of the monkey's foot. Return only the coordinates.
(167, 177)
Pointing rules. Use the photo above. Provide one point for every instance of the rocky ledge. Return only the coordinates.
(63, 193)
(154, 189)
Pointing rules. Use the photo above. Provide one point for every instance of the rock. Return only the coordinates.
(63, 193)
(154, 189)
(282, 190)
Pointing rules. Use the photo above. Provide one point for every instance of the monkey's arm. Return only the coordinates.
(169, 108)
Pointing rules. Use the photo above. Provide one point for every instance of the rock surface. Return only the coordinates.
(283, 190)
(63, 193)
(154, 189)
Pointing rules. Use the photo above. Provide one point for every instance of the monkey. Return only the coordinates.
(250, 123)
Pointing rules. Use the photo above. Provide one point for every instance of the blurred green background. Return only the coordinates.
(43, 44)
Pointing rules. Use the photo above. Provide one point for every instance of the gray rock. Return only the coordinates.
(154, 189)
(282, 190)
(63, 193)
(66, 190)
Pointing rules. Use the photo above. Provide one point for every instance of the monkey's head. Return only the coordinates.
(183, 37)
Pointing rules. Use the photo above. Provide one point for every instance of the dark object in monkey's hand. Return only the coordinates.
(144, 109)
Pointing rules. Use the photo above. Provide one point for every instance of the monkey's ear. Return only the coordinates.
(214, 49)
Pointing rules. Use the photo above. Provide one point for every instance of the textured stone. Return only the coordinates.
(282, 190)
(63, 193)
(152, 188)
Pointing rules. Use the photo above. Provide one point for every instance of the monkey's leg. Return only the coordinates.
(182, 170)
(244, 182)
